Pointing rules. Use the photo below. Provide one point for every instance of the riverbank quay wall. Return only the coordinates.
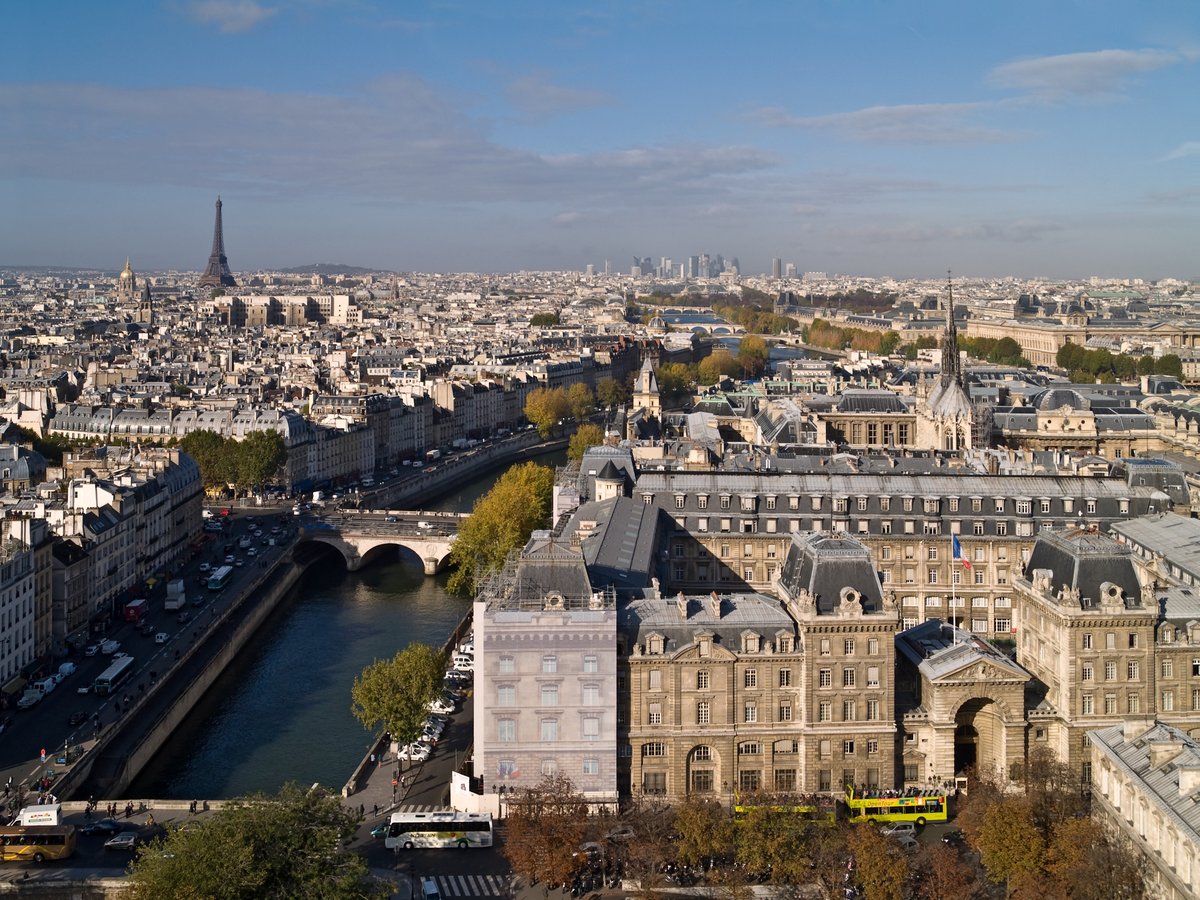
(122, 753)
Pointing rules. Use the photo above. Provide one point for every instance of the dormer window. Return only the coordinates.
(655, 643)
(751, 642)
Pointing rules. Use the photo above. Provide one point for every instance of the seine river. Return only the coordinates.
(282, 711)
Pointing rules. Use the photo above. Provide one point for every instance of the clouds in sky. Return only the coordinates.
(230, 16)
(537, 97)
(921, 123)
(1096, 74)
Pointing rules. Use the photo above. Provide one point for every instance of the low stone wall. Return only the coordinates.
(190, 695)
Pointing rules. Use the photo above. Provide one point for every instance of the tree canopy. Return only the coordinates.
(543, 829)
(393, 693)
(1086, 365)
(501, 522)
(581, 400)
(545, 407)
(611, 393)
(289, 845)
(255, 460)
(544, 320)
(587, 435)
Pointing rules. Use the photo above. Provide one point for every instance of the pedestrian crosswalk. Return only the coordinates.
(468, 886)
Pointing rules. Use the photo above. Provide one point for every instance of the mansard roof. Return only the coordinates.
(1081, 560)
(826, 566)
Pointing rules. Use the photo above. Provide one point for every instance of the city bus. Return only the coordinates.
(889, 806)
(439, 830)
(36, 843)
(219, 578)
(107, 681)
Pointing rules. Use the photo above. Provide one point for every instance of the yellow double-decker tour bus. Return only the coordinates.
(36, 843)
(896, 806)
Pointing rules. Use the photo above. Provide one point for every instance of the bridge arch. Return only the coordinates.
(359, 549)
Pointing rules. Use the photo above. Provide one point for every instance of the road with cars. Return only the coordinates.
(71, 716)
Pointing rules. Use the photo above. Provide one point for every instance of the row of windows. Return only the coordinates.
(849, 677)
(654, 681)
(508, 768)
(1132, 671)
(506, 729)
(928, 505)
(752, 712)
(771, 525)
(506, 695)
(590, 665)
(1133, 703)
(1110, 638)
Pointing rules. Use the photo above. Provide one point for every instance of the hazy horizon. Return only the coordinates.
(1020, 139)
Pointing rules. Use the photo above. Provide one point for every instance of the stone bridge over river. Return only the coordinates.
(360, 533)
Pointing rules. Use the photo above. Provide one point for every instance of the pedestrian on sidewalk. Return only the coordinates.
(375, 811)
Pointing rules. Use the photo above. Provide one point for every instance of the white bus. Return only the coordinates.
(219, 578)
(449, 828)
(108, 680)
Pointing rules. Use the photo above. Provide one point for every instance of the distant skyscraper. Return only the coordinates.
(217, 273)
(776, 267)
(590, 271)
(790, 270)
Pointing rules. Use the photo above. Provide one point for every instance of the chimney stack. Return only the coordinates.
(714, 604)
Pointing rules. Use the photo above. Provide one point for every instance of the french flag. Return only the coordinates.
(958, 554)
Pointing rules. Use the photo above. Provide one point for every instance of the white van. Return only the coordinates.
(108, 648)
(46, 814)
(67, 668)
(46, 685)
(429, 890)
(463, 663)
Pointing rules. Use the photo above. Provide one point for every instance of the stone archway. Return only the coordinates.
(980, 739)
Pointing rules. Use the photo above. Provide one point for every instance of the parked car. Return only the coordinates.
(440, 705)
(418, 752)
(898, 828)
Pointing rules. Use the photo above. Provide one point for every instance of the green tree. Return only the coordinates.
(545, 407)
(674, 384)
(717, 365)
(881, 865)
(210, 451)
(704, 830)
(501, 522)
(611, 393)
(1169, 364)
(259, 457)
(289, 845)
(585, 436)
(581, 400)
(1145, 365)
(394, 693)
(1010, 845)
(752, 355)
(544, 320)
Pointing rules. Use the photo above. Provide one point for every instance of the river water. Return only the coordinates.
(281, 712)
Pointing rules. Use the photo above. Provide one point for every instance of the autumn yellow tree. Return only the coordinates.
(501, 522)
(544, 407)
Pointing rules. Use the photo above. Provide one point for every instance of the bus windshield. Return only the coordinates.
(910, 805)
(409, 830)
(37, 843)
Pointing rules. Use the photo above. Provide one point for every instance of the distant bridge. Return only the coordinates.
(358, 534)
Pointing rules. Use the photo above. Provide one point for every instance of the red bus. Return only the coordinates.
(135, 609)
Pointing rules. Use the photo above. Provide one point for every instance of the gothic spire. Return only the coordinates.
(951, 369)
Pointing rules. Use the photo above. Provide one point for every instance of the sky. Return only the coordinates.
(1031, 138)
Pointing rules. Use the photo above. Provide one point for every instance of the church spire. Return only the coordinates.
(951, 368)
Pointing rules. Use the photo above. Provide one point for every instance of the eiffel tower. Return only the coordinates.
(217, 273)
